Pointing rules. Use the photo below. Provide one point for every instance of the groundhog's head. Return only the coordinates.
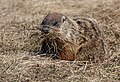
(52, 23)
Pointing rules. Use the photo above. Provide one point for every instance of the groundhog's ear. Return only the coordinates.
(64, 18)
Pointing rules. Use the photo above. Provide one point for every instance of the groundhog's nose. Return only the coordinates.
(45, 29)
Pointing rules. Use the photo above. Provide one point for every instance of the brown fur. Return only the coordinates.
(71, 38)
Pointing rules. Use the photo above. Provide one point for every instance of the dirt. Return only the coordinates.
(19, 20)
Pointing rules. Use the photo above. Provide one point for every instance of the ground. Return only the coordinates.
(19, 19)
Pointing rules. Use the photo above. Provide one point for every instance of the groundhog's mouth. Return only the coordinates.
(47, 29)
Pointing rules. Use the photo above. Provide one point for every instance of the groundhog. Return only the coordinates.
(71, 38)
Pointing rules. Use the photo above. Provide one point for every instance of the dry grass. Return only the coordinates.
(19, 19)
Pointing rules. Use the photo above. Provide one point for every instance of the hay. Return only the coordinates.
(18, 18)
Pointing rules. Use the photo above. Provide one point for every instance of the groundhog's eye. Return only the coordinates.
(55, 24)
